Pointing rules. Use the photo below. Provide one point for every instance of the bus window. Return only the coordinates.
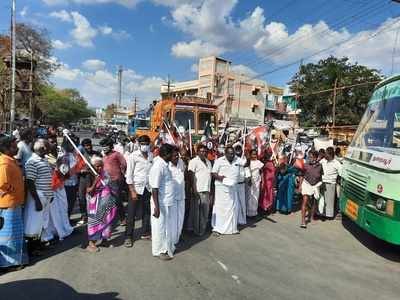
(182, 119)
(205, 117)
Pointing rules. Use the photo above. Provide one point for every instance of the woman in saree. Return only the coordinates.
(268, 173)
(101, 206)
(286, 185)
(253, 198)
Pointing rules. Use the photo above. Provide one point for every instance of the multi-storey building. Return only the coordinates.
(238, 96)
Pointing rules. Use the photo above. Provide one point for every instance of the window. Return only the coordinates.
(204, 119)
(182, 119)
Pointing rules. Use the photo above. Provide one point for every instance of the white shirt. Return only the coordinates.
(255, 168)
(242, 172)
(331, 170)
(160, 178)
(178, 176)
(202, 174)
(137, 170)
(223, 167)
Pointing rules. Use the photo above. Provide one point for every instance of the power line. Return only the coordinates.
(363, 13)
(321, 51)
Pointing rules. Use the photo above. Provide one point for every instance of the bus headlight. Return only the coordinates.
(390, 207)
(380, 204)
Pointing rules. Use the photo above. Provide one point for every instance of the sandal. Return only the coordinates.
(128, 243)
(304, 226)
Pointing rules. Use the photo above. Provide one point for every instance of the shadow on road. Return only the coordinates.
(77, 238)
(44, 289)
(380, 247)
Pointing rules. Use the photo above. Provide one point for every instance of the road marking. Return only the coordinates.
(222, 266)
(236, 278)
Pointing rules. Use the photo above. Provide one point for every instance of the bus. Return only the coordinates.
(370, 194)
(199, 111)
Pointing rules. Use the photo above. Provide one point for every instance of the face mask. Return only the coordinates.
(144, 148)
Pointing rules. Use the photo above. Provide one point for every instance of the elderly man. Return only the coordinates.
(38, 174)
(225, 212)
(12, 244)
(163, 221)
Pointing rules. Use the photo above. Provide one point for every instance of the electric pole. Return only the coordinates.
(135, 106)
(334, 103)
(120, 70)
(13, 54)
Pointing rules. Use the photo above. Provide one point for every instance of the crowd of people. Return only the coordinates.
(174, 193)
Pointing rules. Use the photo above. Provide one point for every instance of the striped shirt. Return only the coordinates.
(39, 171)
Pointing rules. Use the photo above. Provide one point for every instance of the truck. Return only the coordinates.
(179, 111)
(370, 194)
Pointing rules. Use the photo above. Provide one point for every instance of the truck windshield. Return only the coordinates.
(379, 128)
(142, 123)
(204, 119)
(182, 119)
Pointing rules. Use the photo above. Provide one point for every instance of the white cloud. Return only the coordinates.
(244, 70)
(55, 2)
(99, 86)
(24, 11)
(126, 3)
(151, 28)
(64, 72)
(196, 48)
(106, 30)
(62, 15)
(60, 45)
(94, 64)
(121, 35)
(83, 33)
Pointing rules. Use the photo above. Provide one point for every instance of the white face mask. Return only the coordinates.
(144, 148)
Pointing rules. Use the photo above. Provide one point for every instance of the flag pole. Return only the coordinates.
(190, 138)
(82, 156)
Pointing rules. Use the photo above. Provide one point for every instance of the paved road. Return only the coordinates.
(273, 259)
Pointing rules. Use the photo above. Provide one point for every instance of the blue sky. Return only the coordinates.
(154, 38)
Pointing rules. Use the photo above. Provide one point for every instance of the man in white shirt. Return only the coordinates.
(225, 211)
(331, 170)
(24, 148)
(200, 173)
(162, 219)
(139, 164)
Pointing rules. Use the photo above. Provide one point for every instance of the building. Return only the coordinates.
(237, 96)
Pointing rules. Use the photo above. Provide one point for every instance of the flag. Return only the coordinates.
(224, 136)
(208, 131)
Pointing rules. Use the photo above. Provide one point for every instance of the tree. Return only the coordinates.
(62, 107)
(34, 48)
(350, 102)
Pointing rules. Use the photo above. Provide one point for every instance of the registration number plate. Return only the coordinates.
(352, 209)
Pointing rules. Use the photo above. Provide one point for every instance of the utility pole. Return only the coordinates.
(334, 103)
(31, 91)
(120, 70)
(135, 106)
(13, 54)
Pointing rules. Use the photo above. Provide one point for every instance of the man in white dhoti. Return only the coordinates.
(177, 168)
(38, 174)
(162, 202)
(226, 174)
(241, 186)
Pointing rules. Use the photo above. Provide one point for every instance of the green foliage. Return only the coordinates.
(63, 106)
(350, 103)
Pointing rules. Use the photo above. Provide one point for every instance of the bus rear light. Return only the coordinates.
(390, 207)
